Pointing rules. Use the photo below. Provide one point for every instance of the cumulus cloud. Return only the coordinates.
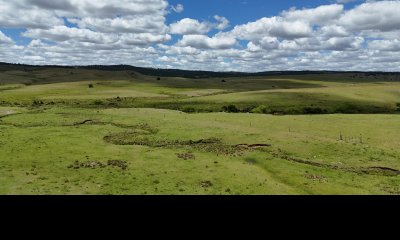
(365, 37)
(379, 16)
(178, 8)
(385, 45)
(274, 27)
(103, 16)
(205, 42)
(223, 22)
(188, 26)
(319, 15)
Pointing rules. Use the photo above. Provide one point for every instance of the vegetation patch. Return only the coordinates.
(230, 109)
(87, 164)
(96, 164)
(253, 146)
(382, 171)
(211, 145)
(206, 184)
(118, 163)
(262, 109)
(186, 156)
(316, 178)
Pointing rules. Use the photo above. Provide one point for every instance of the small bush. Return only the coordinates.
(37, 103)
(91, 86)
(189, 110)
(314, 110)
(247, 109)
(158, 79)
(230, 109)
(261, 109)
(223, 80)
(398, 107)
(98, 102)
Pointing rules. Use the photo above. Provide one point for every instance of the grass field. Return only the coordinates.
(96, 132)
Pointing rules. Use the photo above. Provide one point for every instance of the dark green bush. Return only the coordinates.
(98, 102)
(262, 109)
(230, 109)
(314, 110)
(37, 103)
(189, 110)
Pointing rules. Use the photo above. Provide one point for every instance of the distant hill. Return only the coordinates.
(178, 72)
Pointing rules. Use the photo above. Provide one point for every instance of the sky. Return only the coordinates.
(215, 35)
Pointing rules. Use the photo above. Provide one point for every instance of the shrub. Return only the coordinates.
(314, 110)
(262, 109)
(189, 110)
(247, 109)
(91, 86)
(98, 102)
(158, 79)
(37, 103)
(223, 80)
(230, 109)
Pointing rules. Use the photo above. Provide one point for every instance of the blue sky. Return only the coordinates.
(237, 11)
(242, 11)
(220, 35)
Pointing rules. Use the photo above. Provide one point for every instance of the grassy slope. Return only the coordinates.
(278, 94)
(319, 154)
(38, 146)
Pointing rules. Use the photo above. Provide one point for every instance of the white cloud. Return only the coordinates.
(178, 8)
(385, 45)
(4, 39)
(205, 42)
(274, 27)
(379, 16)
(223, 22)
(319, 15)
(366, 37)
(97, 20)
(189, 26)
(63, 33)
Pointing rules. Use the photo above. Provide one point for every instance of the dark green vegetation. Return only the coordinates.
(88, 131)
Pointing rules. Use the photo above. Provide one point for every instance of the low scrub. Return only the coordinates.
(314, 110)
(189, 110)
(230, 109)
(261, 110)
